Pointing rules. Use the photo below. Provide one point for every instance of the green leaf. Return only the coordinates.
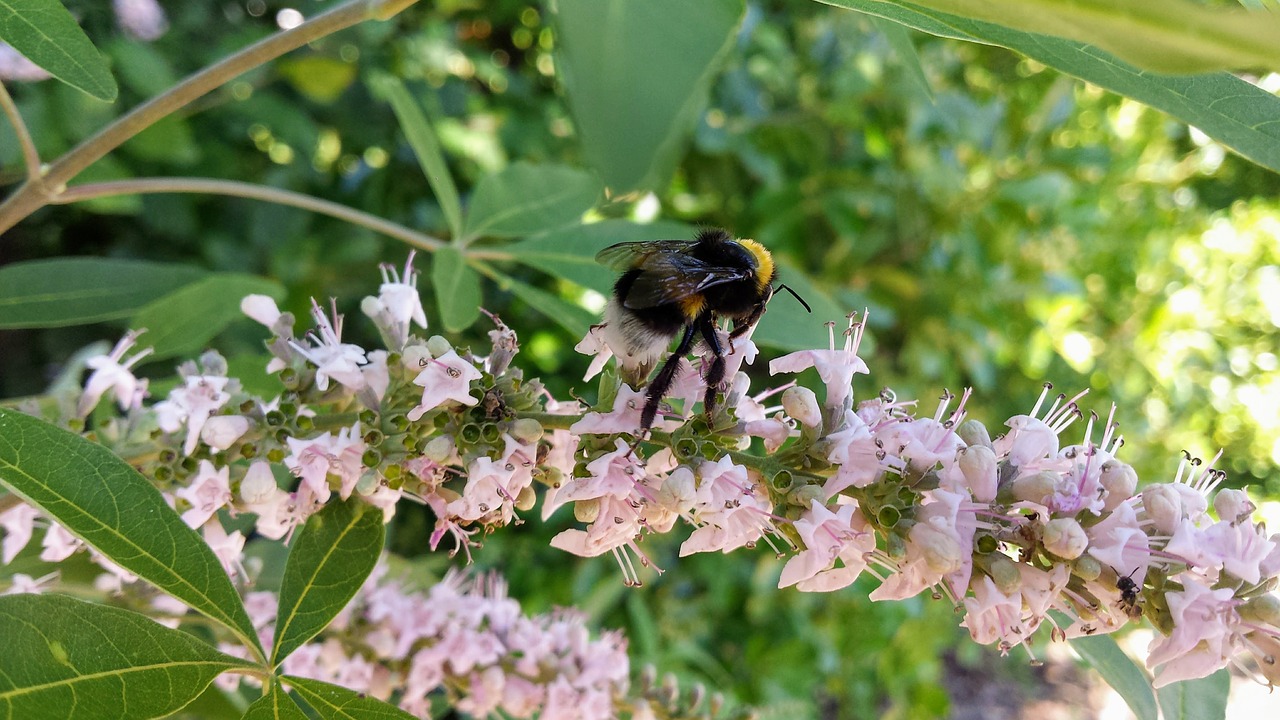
(184, 321)
(1167, 36)
(1120, 672)
(569, 316)
(48, 36)
(275, 705)
(1202, 699)
(77, 291)
(338, 703)
(100, 499)
(330, 559)
(524, 199)
(457, 289)
(788, 326)
(570, 254)
(636, 76)
(1226, 108)
(65, 658)
(900, 40)
(423, 141)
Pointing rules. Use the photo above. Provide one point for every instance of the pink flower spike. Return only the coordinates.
(445, 378)
(109, 373)
(835, 367)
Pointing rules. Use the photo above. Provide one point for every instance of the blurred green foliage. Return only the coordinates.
(1007, 226)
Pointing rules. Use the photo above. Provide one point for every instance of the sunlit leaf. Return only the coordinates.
(66, 658)
(184, 321)
(423, 141)
(525, 199)
(338, 703)
(100, 499)
(457, 286)
(1201, 699)
(1168, 36)
(636, 75)
(46, 33)
(320, 78)
(41, 293)
(331, 557)
(1120, 672)
(1226, 108)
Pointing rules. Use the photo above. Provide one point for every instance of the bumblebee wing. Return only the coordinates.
(634, 255)
(668, 278)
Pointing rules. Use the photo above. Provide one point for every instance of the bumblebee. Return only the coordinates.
(683, 287)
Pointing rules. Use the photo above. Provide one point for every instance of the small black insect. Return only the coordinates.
(1129, 595)
(670, 286)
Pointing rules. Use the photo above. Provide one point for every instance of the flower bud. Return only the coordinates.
(1120, 482)
(586, 510)
(526, 430)
(368, 482)
(1086, 568)
(978, 465)
(1233, 505)
(526, 499)
(942, 554)
(677, 490)
(1004, 572)
(258, 485)
(439, 449)
(261, 308)
(974, 433)
(1035, 488)
(415, 357)
(804, 495)
(801, 404)
(1164, 506)
(222, 431)
(1065, 538)
(438, 345)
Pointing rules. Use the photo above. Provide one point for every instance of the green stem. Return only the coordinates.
(209, 186)
(34, 194)
(30, 156)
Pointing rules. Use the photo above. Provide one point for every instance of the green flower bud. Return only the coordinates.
(1004, 573)
(974, 433)
(1086, 568)
(1065, 538)
(438, 345)
(527, 430)
(439, 449)
(526, 499)
(586, 510)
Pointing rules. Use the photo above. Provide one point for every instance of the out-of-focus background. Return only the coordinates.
(1006, 225)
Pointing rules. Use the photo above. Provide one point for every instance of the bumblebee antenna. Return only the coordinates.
(782, 286)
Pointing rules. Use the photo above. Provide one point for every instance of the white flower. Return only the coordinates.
(445, 378)
(332, 358)
(110, 374)
(835, 367)
(192, 404)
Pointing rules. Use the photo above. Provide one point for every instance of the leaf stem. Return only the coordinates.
(211, 186)
(34, 194)
(30, 157)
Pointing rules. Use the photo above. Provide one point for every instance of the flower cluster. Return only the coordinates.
(1017, 531)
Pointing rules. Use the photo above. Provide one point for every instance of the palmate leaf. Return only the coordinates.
(100, 499)
(65, 658)
(44, 32)
(1239, 115)
(331, 557)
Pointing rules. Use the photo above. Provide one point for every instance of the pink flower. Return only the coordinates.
(624, 418)
(229, 549)
(209, 491)
(731, 510)
(191, 404)
(314, 460)
(1204, 622)
(991, 615)
(445, 378)
(59, 544)
(1120, 542)
(843, 535)
(614, 474)
(595, 345)
(333, 358)
(18, 523)
(858, 454)
(111, 374)
(398, 304)
(142, 19)
(835, 367)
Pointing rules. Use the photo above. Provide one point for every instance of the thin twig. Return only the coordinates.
(31, 196)
(209, 186)
(29, 154)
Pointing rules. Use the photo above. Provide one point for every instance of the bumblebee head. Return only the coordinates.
(766, 272)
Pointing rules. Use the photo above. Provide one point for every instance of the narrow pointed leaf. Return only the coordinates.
(40, 293)
(570, 253)
(636, 76)
(184, 321)
(525, 199)
(46, 33)
(457, 288)
(1120, 672)
(331, 557)
(102, 500)
(1237, 114)
(900, 40)
(275, 705)
(423, 141)
(66, 658)
(1202, 699)
(338, 703)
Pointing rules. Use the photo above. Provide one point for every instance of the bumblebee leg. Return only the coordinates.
(662, 383)
(740, 327)
(715, 374)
